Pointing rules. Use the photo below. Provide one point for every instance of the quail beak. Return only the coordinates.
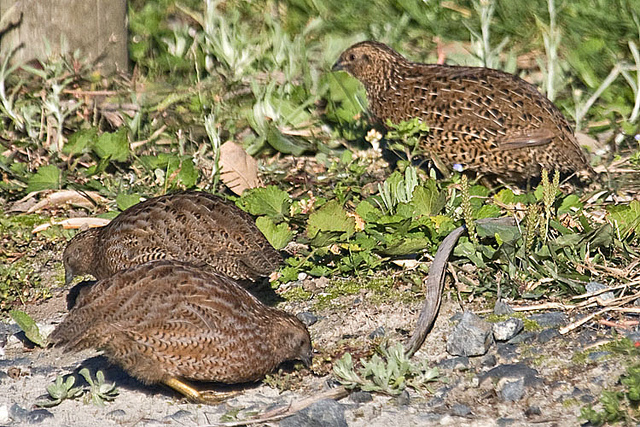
(307, 359)
(337, 66)
(68, 277)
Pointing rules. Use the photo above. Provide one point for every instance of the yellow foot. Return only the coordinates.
(208, 396)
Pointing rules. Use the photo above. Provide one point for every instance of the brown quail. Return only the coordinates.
(165, 321)
(193, 226)
(479, 119)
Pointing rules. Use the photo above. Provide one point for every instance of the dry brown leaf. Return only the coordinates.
(87, 199)
(239, 170)
(73, 223)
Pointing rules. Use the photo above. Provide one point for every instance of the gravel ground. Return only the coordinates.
(531, 380)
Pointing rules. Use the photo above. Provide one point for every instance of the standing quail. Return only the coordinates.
(166, 321)
(192, 226)
(479, 119)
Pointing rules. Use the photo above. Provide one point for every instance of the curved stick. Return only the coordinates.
(435, 283)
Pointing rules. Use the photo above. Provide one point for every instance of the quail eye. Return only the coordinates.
(352, 57)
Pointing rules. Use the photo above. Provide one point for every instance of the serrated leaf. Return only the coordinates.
(427, 200)
(114, 146)
(269, 201)
(28, 326)
(278, 235)
(331, 217)
(47, 177)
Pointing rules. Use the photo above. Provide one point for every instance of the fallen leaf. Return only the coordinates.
(239, 170)
(73, 223)
(87, 199)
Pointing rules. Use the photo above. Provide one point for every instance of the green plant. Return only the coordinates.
(618, 406)
(61, 390)
(389, 372)
(99, 391)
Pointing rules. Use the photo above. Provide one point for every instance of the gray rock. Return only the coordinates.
(403, 399)
(489, 361)
(505, 422)
(471, 337)
(504, 331)
(378, 332)
(502, 308)
(18, 413)
(460, 410)
(547, 335)
(512, 391)
(179, 415)
(549, 320)
(525, 337)
(513, 371)
(323, 413)
(459, 363)
(595, 355)
(307, 318)
(116, 414)
(361, 397)
(508, 351)
(533, 411)
(597, 286)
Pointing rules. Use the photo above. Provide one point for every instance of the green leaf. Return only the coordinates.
(125, 201)
(48, 177)
(331, 217)
(278, 235)
(114, 146)
(80, 141)
(427, 200)
(270, 201)
(28, 326)
(570, 203)
(188, 174)
(284, 144)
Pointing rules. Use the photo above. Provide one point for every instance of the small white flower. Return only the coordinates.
(373, 137)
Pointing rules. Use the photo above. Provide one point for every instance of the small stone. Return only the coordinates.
(513, 371)
(379, 332)
(512, 391)
(533, 411)
(4, 415)
(361, 397)
(547, 335)
(505, 422)
(502, 308)
(587, 398)
(403, 399)
(471, 337)
(489, 361)
(525, 337)
(508, 351)
(37, 416)
(504, 331)
(116, 414)
(17, 412)
(323, 413)
(179, 415)
(549, 320)
(595, 355)
(307, 318)
(302, 275)
(459, 363)
(460, 410)
(597, 286)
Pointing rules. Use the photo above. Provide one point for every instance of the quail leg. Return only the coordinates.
(208, 396)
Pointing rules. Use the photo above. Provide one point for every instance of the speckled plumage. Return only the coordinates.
(481, 119)
(196, 227)
(169, 319)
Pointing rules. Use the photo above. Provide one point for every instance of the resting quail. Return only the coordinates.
(166, 321)
(479, 119)
(192, 226)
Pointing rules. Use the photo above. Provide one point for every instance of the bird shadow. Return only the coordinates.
(113, 374)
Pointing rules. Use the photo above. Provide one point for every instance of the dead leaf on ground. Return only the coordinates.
(239, 170)
(73, 223)
(28, 204)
